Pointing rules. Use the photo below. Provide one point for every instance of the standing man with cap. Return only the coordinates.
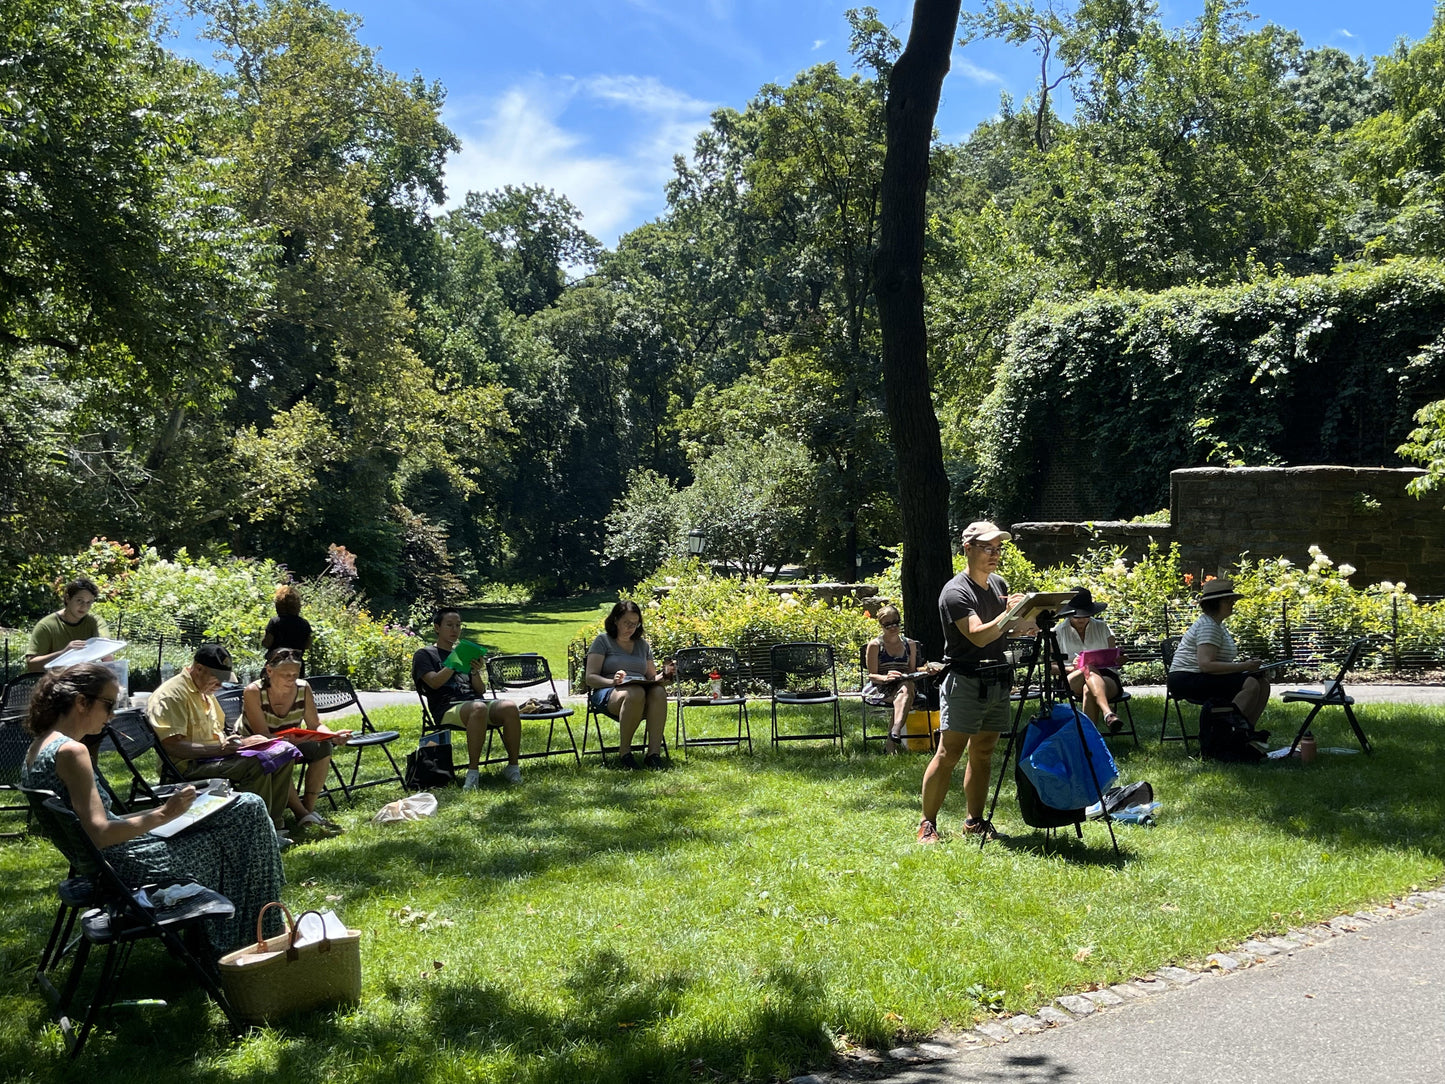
(192, 729)
(975, 692)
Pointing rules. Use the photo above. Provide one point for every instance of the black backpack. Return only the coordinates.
(1225, 734)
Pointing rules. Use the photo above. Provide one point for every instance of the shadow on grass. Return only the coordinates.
(607, 1023)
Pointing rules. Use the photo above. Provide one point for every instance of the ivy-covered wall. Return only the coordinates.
(1100, 399)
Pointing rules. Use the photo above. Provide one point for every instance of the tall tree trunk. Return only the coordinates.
(913, 90)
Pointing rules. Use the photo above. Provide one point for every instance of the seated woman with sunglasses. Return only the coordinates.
(233, 851)
(891, 655)
(280, 700)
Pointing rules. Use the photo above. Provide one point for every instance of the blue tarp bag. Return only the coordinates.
(1053, 760)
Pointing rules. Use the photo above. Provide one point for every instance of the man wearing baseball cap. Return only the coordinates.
(975, 692)
(192, 728)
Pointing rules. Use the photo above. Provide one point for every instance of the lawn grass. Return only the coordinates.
(742, 916)
(543, 627)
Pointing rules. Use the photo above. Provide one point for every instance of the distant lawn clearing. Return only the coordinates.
(543, 627)
(740, 917)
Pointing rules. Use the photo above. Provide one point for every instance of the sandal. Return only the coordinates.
(893, 744)
(1114, 723)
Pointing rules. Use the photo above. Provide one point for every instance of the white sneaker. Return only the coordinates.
(474, 780)
(512, 773)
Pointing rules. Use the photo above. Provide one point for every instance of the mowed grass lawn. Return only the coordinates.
(741, 917)
(543, 627)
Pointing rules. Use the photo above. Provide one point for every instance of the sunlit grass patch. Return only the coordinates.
(743, 915)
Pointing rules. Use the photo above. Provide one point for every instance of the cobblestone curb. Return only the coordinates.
(875, 1065)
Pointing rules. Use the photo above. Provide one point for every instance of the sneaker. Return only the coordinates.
(654, 762)
(512, 773)
(927, 832)
(982, 828)
(627, 763)
(473, 781)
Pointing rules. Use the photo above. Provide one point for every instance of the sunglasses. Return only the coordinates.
(889, 624)
(109, 704)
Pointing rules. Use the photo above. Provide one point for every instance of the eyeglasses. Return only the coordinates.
(109, 704)
(889, 624)
(991, 550)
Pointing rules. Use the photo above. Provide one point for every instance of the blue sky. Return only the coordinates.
(594, 97)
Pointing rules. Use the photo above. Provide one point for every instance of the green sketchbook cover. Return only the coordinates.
(463, 655)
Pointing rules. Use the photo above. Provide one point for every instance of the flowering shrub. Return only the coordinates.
(147, 598)
(1308, 613)
(701, 608)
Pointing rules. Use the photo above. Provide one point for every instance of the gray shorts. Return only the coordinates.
(964, 711)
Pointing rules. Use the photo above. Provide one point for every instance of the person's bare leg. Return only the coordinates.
(976, 775)
(939, 773)
(902, 705)
(656, 712)
(504, 713)
(1099, 686)
(314, 783)
(1251, 699)
(628, 705)
(1083, 689)
(474, 717)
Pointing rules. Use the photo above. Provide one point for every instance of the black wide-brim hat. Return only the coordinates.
(1083, 604)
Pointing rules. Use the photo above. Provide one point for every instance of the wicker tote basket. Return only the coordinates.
(275, 977)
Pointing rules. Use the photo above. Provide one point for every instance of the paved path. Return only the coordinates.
(1363, 1002)
(1365, 694)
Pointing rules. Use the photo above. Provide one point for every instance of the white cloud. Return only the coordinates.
(819, 43)
(526, 136)
(972, 71)
(1346, 34)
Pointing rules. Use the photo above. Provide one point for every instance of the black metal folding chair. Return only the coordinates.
(334, 693)
(593, 719)
(874, 705)
(527, 680)
(1167, 649)
(231, 700)
(1333, 695)
(14, 738)
(129, 735)
(803, 674)
(692, 690)
(122, 917)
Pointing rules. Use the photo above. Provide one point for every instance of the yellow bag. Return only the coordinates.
(918, 729)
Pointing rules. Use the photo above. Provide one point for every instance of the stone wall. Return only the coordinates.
(1054, 543)
(1358, 515)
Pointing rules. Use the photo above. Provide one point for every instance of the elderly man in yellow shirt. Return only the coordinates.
(192, 730)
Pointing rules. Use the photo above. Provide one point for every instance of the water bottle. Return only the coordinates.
(1307, 749)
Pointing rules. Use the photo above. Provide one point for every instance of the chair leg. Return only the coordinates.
(1304, 728)
(1359, 730)
(1129, 714)
(106, 982)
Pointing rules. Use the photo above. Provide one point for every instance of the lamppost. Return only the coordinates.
(695, 542)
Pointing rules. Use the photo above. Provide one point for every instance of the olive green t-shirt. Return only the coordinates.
(51, 634)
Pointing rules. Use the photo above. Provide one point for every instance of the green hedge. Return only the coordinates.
(720, 611)
(1129, 386)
